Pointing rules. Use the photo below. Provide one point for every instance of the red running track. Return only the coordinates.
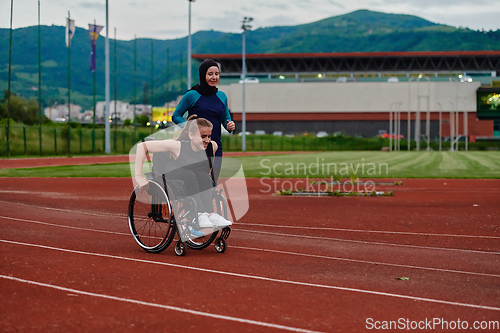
(324, 264)
(103, 159)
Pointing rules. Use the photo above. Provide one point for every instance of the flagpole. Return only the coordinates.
(168, 75)
(39, 82)
(152, 77)
(10, 66)
(135, 85)
(114, 74)
(181, 71)
(93, 118)
(107, 148)
(69, 84)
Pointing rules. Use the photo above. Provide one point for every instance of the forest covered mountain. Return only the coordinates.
(359, 31)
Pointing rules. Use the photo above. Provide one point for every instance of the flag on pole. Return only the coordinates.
(70, 30)
(94, 31)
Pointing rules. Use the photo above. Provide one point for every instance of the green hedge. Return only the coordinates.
(24, 141)
(334, 143)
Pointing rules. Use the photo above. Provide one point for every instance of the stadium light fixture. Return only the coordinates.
(245, 25)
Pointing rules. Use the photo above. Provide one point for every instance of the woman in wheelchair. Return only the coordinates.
(186, 160)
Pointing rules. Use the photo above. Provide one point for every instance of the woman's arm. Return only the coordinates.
(226, 120)
(152, 146)
(214, 146)
(186, 103)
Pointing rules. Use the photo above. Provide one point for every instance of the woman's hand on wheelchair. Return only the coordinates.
(141, 181)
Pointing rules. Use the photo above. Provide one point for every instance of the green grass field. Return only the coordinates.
(362, 164)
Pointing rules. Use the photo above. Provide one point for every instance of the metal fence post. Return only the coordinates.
(24, 138)
(55, 141)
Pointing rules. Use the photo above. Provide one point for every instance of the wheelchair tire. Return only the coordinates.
(150, 218)
(220, 245)
(180, 248)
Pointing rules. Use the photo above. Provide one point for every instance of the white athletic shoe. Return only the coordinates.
(219, 221)
(204, 221)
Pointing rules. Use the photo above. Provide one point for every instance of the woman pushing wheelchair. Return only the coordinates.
(188, 158)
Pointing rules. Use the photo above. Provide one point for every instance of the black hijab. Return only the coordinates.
(204, 88)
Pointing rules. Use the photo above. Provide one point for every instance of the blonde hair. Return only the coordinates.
(190, 128)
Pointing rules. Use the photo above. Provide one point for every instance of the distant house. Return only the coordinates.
(59, 112)
(123, 110)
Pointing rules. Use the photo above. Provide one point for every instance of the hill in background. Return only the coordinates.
(359, 31)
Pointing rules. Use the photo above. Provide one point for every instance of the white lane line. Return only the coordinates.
(270, 233)
(277, 226)
(366, 231)
(65, 226)
(364, 261)
(275, 251)
(364, 242)
(63, 210)
(161, 306)
(261, 278)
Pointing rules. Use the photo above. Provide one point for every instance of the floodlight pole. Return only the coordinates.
(189, 49)
(245, 26)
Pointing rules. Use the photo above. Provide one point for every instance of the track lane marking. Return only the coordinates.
(279, 226)
(161, 306)
(364, 261)
(365, 242)
(275, 251)
(65, 226)
(262, 278)
(369, 231)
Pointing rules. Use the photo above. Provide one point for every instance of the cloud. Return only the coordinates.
(91, 5)
(174, 33)
(280, 20)
(446, 4)
(335, 3)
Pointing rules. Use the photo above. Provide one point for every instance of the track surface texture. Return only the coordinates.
(84, 160)
(69, 263)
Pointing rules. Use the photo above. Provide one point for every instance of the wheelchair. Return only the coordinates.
(162, 209)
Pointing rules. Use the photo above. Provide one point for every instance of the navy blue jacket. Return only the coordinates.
(214, 108)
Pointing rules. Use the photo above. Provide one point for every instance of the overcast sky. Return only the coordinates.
(168, 19)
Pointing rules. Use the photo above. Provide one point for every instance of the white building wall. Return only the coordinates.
(353, 96)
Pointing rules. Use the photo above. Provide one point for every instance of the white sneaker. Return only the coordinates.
(219, 221)
(204, 221)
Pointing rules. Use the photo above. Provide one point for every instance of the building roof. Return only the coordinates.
(282, 63)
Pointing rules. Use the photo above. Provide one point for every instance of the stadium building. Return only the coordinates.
(358, 93)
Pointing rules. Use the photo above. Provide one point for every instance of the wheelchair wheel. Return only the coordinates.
(150, 218)
(179, 248)
(220, 245)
